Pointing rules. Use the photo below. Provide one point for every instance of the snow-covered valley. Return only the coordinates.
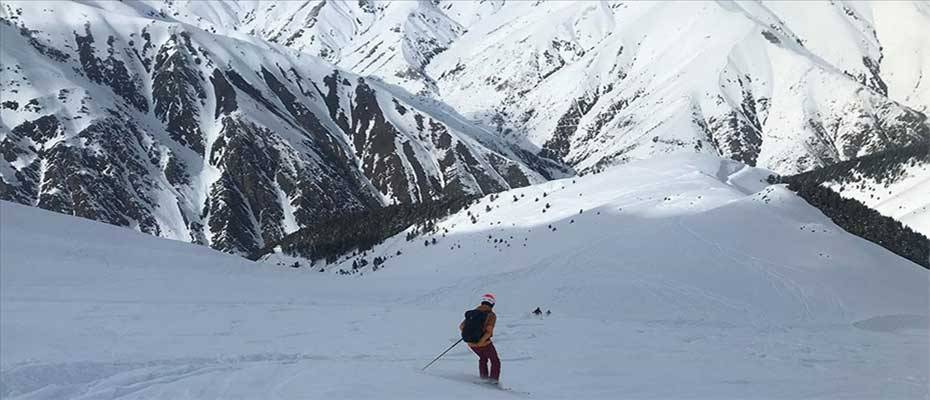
(680, 277)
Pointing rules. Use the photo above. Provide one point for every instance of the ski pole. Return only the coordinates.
(440, 356)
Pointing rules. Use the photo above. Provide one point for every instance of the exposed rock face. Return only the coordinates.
(177, 89)
(99, 174)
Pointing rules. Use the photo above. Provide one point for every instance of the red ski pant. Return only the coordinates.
(488, 354)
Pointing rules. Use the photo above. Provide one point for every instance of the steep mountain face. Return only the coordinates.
(787, 86)
(391, 39)
(118, 113)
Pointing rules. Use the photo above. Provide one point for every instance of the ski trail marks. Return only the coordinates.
(465, 379)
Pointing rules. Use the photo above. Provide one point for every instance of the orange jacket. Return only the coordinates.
(488, 326)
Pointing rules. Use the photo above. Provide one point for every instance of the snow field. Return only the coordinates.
(680, 278)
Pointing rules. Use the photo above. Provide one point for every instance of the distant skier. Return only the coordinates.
(537, 311)
(477, 329)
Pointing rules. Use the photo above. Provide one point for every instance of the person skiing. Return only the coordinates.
(477, 329)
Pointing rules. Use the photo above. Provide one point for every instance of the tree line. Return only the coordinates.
(854, 216)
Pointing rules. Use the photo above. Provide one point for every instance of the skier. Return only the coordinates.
(477, 329)
(537, 312)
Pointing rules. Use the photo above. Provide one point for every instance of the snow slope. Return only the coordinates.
(679, 278)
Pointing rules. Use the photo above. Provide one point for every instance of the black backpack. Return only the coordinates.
(473, 329)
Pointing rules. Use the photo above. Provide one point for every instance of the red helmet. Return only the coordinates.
(488, 298)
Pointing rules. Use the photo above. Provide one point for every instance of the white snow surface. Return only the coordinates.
(679, 278)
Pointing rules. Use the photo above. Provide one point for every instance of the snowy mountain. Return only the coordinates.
(115, 112)
(787, 86)
(679, 277)
(394, 40)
